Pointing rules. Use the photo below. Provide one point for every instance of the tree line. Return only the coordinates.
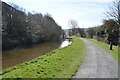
(109, 31)
(75, 29)
(25, 28)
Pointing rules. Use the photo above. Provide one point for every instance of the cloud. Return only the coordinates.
(87, 12)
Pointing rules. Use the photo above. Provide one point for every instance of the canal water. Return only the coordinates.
(20, 55)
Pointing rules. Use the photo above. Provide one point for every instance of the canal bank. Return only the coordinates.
(59, 63)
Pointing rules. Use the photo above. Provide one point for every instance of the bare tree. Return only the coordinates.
(114, 13)
(73, 25)
(21, 28)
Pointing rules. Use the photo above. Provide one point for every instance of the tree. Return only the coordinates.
(100, 32)
(73, 25)
(111, 29)
(81, 32)
(13, 25)
(27, 29)
(91, 32)
(114, 13)
(70, 32)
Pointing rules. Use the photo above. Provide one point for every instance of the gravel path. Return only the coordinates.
(97, 64)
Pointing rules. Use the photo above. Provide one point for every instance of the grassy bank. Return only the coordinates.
(105, 46)
(59, 63)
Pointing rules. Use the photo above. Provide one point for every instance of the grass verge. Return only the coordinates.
(59, 63)
(105, 46)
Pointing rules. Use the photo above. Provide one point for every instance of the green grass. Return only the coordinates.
(59, 63)
(105, 46)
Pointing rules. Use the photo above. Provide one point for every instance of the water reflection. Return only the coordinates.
(65, 43)
(20, 55)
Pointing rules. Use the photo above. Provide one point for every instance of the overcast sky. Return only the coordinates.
(88, 13)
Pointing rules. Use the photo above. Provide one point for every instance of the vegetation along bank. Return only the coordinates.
(59, 63)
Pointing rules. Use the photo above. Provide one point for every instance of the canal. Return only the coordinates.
(20, 55)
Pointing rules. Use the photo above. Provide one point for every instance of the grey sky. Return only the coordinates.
(88, 13)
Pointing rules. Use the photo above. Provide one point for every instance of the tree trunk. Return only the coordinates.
(109, 41)
(98, 38)
(91, 36)
(111, 45)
